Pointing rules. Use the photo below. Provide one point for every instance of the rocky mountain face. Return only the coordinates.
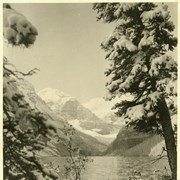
(86, 143)
(104, 127)
(129, 142)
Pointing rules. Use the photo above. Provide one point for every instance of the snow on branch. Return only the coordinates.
(17, 30)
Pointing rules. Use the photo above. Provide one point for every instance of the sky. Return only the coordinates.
(67, 50)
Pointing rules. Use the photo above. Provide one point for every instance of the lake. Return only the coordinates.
(119, 168)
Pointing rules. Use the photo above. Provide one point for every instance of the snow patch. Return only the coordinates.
(76, 124)
(96, 130)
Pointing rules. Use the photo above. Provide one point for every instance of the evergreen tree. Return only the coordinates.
(25, 129)
(24, 132)
(140, 67)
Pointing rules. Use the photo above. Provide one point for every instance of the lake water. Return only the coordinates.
(120, 168)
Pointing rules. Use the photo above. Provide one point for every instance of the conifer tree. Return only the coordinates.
(141, 67)
(25, 129)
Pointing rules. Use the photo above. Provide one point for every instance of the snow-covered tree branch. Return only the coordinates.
(140, 66)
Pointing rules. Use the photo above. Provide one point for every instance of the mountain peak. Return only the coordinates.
(99, 106)
(50, 94)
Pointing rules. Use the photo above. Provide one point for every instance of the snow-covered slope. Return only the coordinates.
(56, 96)
(105, 138)
(103, 109)
(82, 118)
(99, 106)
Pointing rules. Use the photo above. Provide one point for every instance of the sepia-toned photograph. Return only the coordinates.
(90, 91)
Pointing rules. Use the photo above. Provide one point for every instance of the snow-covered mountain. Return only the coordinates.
(103, 109)
(86, 143)
(97, 119)
(99, 106)
(82, 118)
(58, 98)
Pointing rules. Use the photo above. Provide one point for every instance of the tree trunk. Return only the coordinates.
(168, 134)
